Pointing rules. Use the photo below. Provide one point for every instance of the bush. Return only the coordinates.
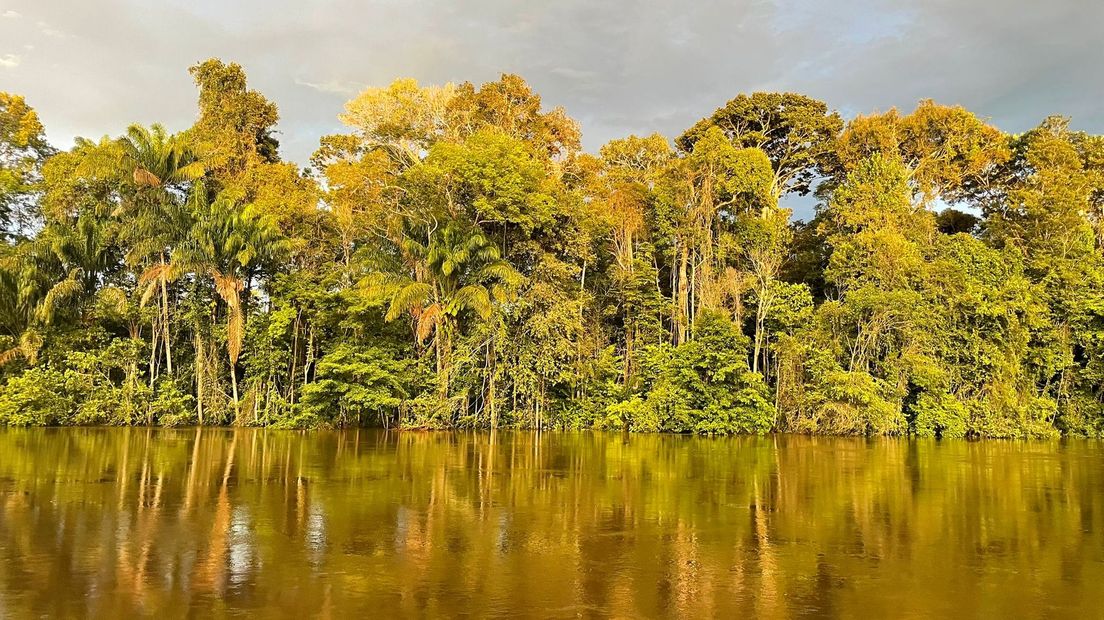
(357, 385)
(854, 403)
(1009, 414)
(37, 397)
(616, 416)
(702, 386)
(172, 406)
(1081, 416)
(938, 415)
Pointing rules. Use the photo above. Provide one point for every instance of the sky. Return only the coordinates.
(91, 67)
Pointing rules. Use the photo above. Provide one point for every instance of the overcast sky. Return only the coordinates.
(92, 66)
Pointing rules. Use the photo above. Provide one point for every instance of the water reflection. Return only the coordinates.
(125, 522)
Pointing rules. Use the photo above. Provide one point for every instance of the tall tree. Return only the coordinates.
(456, 270)
(23, 150)
(796, 132)
(236, 124)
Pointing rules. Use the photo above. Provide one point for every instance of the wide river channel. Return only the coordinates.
(121, 523)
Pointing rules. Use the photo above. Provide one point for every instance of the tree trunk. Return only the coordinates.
(294, 358)
(153, 353)
(491, 388)
(760, 317)
(310, 354)
(630, 328)
(165, 325)
(683, 296)
(692, 303)
(443, 353)
(234, 387)
(199, 371)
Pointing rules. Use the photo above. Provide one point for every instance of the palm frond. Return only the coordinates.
(30, 343)
(427, 321)
(10, 355)
(191, 171)
(473, 297)
(59, 293)
(145, 178)
(502, 271)
(113, 299)
(413, 295)
(229, 289)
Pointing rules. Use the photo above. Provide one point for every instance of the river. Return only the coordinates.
(118, 523)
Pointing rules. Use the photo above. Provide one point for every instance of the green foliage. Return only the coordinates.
(23, 152)
(842, 402)
(100, 386)
(939, 415)
(795, 131)
(454, 261)
(702, 386)
(491, 176)
(38, 397)
(172, 405)
(357, 386)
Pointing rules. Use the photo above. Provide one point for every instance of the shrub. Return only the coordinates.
(37, 397)
(702, 386)
(938, 415)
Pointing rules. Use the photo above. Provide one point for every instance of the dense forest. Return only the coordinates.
(455, 260)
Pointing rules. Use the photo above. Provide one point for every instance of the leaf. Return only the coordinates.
(145, 178)
(113, 299)
(427, 321)
(475, 298)
(413, 295)
(58, 294)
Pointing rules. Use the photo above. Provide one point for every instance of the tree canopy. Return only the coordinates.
(454, 259)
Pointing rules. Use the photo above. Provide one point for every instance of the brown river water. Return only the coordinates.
(121, 523)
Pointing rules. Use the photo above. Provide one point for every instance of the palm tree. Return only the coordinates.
(163, 170)
(456, 270)
(22, 289)
(82, 249)
(61, 269)
(226, 242)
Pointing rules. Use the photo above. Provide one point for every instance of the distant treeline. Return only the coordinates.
(456, 261)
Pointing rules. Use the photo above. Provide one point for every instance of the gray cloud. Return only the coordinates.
(617, 66)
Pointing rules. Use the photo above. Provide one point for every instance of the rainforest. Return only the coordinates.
(454, 259)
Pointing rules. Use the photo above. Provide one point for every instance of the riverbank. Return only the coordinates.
(186, 425)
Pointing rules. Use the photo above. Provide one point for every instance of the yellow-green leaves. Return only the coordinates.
(403, 116)
(738, 178)
(796, 132)
(23, 150)
(236, 124)
(948, 151)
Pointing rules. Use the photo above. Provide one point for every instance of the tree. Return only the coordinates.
(163, 169)
(403, 120)
(1041, 214)
(950, 153)
(797, 134)
(456, 270)
(23, 150)
(511, 106)
(236, 125)
(452, 259)
(226, 240)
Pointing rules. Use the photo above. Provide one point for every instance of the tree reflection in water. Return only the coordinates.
(121, 522)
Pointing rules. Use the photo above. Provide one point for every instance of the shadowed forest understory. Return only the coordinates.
(454, 260)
